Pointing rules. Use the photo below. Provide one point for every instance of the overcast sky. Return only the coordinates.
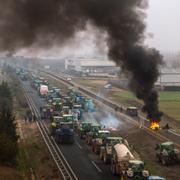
(163, 22)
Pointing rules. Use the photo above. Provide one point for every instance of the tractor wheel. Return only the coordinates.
(137, 177)
(105, 158)
(101, 155)
(164, 161)
(113, 169)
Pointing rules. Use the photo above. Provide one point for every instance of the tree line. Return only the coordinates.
(8, 136)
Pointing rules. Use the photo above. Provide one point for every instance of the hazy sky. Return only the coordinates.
(163, 22)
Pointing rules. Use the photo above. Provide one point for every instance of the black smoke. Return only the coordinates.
(24, 23)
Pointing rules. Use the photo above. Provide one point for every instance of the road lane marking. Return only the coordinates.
(173, 132)
(80, 147)
(95, 165)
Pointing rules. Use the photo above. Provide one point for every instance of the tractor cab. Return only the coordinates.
(57, 120)
(111, 141)
(89, 105)
(103, 134)
(68, 118)
(168, 146)
(65, 109)
(95, 127)
(77, 111)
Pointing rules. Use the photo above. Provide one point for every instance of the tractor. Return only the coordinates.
(46, 112)
(167, 153)
(136, 170)
(92, 133)
(99, 140)
(77, 111)
(106, 148)
(83, 128)
(55, 123)
(65, 133)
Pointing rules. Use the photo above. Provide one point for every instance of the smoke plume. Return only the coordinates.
(24, 23)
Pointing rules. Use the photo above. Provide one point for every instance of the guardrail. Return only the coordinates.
(58, 157)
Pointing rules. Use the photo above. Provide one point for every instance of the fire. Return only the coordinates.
(154, 125)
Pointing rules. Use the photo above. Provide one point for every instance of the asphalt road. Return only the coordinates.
(86, 165)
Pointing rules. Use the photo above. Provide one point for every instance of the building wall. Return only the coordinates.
(86, 65)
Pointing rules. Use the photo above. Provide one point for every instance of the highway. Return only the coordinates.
(162, 135)
(84, 163)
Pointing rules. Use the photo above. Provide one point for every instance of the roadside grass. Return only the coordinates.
(89, 84)
(7, 173)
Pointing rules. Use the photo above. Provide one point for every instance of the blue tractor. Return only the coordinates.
(89, 105)
(65, 133)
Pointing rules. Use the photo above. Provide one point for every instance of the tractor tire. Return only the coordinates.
(164, 161)
(101, 155)
(137, 177)
(113, 169)
(105, 158)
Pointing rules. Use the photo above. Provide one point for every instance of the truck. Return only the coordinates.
(106, 148)
(125, 164)
(167, 153)
(43, 90)
(132, 111)
(99, 139)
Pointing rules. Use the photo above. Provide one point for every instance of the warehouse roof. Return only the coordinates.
(100, 63)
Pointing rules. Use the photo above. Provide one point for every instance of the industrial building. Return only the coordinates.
(91, 66)
(169, 79)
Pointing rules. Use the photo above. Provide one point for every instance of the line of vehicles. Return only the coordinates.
(73, 113)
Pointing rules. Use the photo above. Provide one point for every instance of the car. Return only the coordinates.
(68, 78)
(108, 86)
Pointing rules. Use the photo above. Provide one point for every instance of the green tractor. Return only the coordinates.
(106, 148)
(167, 153)
(83, 128)
(55, 123)
(136, 170)
(95, 127)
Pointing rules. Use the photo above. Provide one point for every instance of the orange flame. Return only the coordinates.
(154, 125)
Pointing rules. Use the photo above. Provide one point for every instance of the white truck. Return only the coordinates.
(43, 90)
